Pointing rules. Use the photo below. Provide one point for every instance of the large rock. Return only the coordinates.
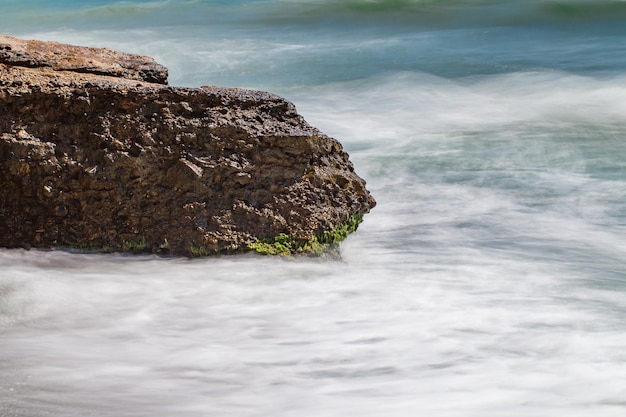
(98, 152)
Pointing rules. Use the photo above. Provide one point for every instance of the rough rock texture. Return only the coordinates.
(96, 151)
(61, 57)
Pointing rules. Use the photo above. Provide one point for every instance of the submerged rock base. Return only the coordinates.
(98, 152)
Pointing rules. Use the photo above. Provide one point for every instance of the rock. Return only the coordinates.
(99, 61)
(98, 152)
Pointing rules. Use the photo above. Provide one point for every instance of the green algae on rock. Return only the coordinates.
(97, 151)
(285, 245)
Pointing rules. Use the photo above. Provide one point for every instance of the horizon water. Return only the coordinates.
(489, 281)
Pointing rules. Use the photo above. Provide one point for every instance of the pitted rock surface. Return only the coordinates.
(112, 157)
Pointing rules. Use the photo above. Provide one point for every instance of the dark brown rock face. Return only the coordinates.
(97, 151)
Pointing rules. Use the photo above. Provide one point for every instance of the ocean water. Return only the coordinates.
(490, 280)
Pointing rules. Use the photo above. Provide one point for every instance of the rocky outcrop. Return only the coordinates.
(61, 57)
(98, 152)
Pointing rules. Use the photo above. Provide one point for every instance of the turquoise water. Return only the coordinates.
(489, 281)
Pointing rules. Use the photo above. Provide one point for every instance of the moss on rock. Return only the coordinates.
(285, 245)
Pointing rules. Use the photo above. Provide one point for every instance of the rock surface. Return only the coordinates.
(61, 57)
(98, 152)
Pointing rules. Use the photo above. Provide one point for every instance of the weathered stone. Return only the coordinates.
(61, 57)
(94, 156)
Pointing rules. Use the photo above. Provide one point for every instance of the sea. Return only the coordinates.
(490, 280)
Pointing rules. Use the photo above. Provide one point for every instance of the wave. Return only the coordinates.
(444, 13)
(419, 106)
(375, 13)
(612, 9)
(406, 126)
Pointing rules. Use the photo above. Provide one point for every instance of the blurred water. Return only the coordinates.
(488, 281)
